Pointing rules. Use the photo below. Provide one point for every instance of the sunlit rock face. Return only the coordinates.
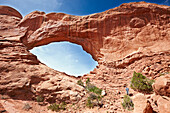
(131, 37)
(65, 57)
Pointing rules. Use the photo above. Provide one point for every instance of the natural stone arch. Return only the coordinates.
(108, 35)
(56, 27)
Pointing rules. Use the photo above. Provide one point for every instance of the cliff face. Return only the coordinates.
(131, 37)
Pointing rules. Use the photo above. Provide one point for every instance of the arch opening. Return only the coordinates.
(65, 57)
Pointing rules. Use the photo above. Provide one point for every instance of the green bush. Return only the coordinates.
(141, 83)
(92, 88)
(63, 106)
(79, 82)
(92, 96)
(54, 107)
(93, 100)
(57, 107)
(127, 103)
(87, 81)
(40, 98)
(89, 103)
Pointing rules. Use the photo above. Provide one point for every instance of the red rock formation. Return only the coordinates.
(141, 105)
(131, 37)
(6, 10)
(121, 31)
(163, 104)
(162, 85)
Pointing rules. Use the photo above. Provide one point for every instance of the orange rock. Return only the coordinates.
(141, 104)
(163, 104)
(162, 85)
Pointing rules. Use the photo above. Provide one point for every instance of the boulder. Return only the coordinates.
(162, 85)
(141, 105)
(164, 104)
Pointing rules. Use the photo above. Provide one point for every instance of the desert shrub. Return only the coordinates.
(141, 83)
(79, 82)
(87, 81)
(40, 98)
(89, 103)
(54, 107)
(94, 95)
(92, 88)
(127, 103)
(93, 100)
(57, 107)
(63, 106)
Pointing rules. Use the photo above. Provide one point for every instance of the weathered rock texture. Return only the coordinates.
(131, 37)
(163, 104)
(162, 85)
(161, 98)
(141, 105)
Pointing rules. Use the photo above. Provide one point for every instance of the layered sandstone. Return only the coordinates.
(131, 37)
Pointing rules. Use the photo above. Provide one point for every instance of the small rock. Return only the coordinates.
(103, 93)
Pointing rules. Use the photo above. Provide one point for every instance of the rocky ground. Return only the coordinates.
(131, 37)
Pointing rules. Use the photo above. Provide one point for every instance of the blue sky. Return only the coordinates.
(75, 7)
(65, 56)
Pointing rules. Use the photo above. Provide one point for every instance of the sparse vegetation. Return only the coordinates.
(57, 107)
(93, 100)
(40, 98)
(87, 81)
(89, 103)
(54, 107)
(141, 83)
(79, 82)
(92, 88)
(94, 94)
(63, 106)
(127, 103)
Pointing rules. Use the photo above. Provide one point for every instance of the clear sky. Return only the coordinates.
(64, 56)
(75, 7)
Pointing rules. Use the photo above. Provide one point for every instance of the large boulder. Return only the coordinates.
(164, 104)
(162, 85)
(141, 105)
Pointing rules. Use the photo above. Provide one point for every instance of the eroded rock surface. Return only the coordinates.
(141, 105)
(163, 104)
(162, 85)
(131, 37)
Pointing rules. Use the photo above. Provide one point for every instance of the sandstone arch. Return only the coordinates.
(113, 30)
